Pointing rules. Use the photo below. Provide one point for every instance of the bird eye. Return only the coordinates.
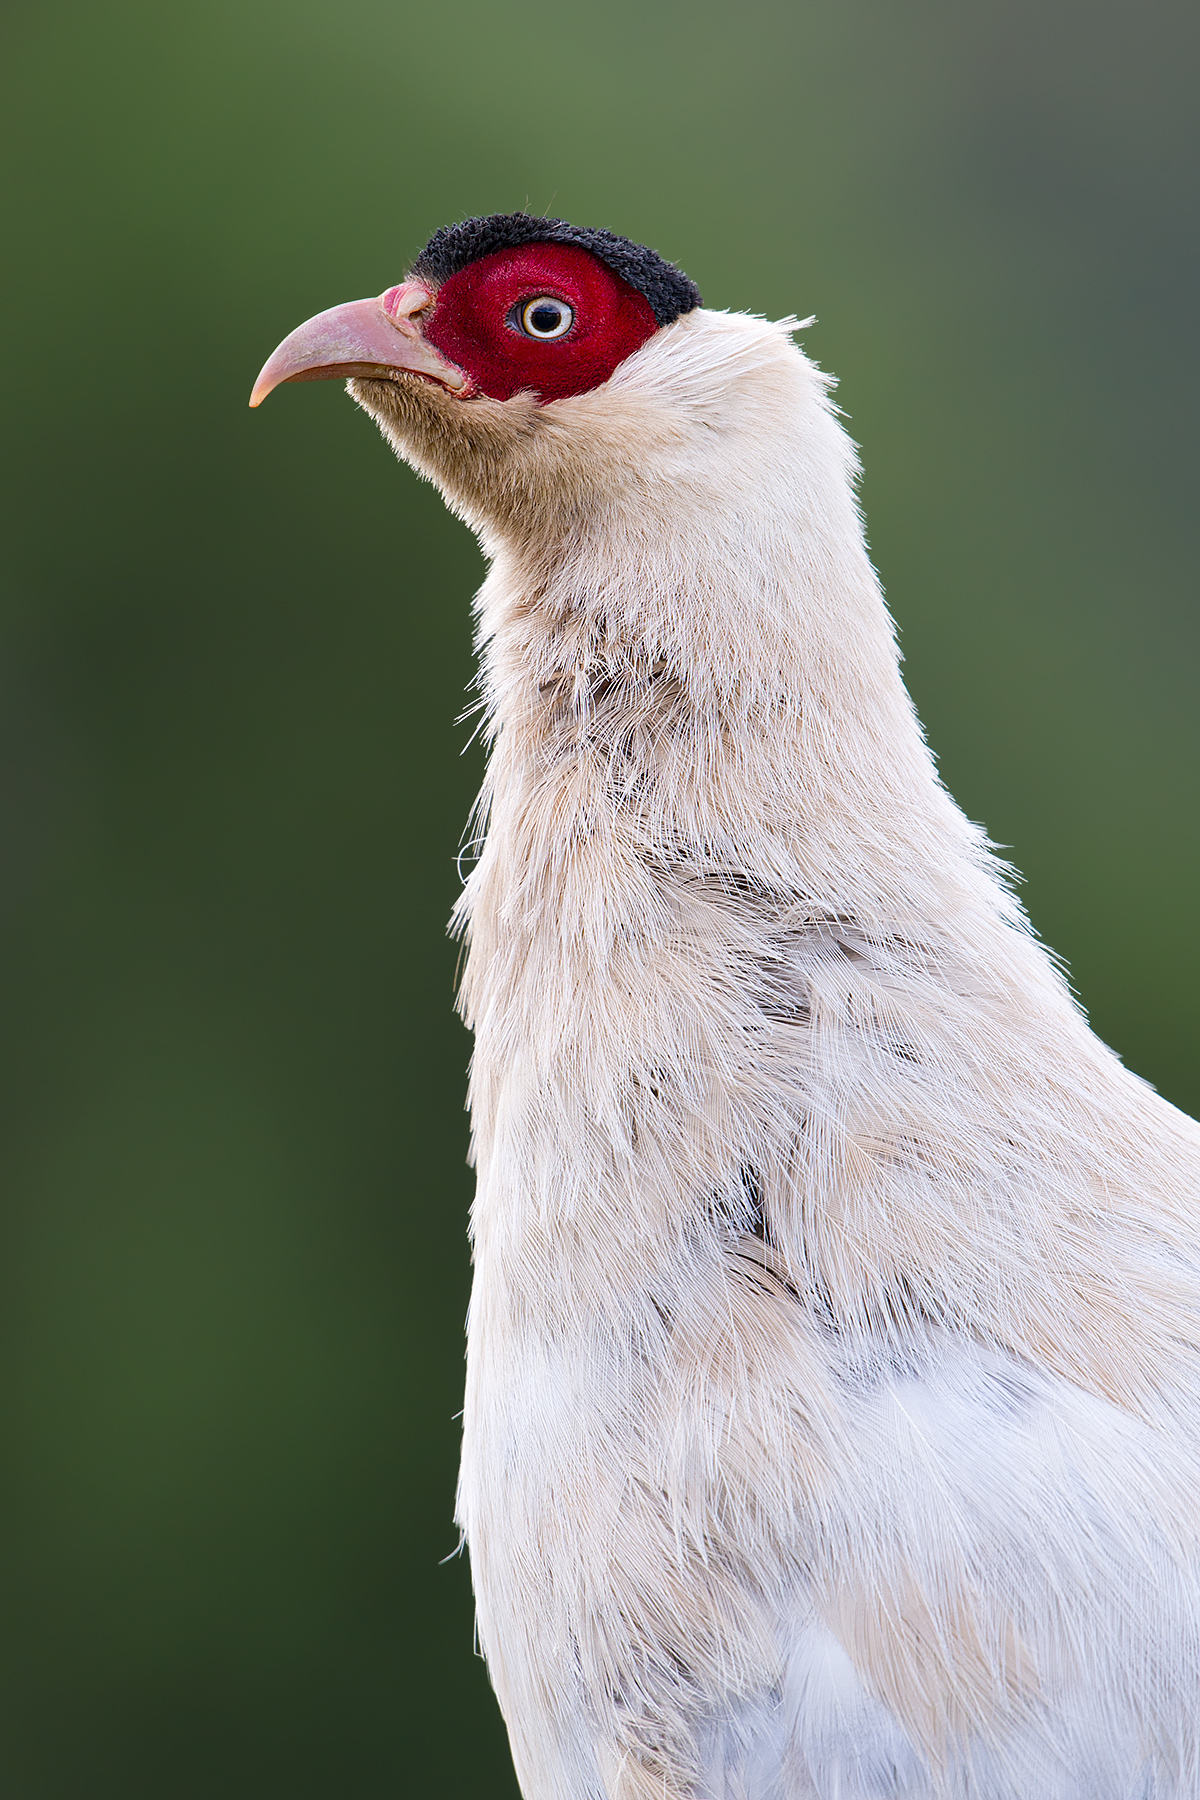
(545, 317)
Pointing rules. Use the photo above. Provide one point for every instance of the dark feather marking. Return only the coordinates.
(669, 291)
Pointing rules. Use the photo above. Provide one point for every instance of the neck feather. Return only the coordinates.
(700, 642)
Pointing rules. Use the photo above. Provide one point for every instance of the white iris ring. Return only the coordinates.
(545, 317)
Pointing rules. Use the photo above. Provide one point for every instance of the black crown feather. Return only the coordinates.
(667, 288)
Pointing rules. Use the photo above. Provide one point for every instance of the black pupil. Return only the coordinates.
(546, 318)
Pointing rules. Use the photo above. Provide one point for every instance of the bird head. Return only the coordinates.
(475, 365)
(645, 467)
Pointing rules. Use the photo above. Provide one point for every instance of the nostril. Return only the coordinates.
(406, 300)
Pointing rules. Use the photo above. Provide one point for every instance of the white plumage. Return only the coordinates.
(832, 1398)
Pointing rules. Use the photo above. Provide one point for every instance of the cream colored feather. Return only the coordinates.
(833, 1383)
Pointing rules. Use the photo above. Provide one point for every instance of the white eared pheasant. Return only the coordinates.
(833, 1397)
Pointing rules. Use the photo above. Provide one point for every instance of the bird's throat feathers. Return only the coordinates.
(678, 555)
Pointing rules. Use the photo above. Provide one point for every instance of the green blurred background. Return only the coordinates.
(233, 648)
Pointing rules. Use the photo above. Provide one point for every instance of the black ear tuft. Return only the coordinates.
(667, 288)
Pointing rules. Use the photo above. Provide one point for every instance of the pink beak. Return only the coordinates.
(364, 337)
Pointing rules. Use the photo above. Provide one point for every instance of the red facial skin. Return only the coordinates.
(471, 322)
